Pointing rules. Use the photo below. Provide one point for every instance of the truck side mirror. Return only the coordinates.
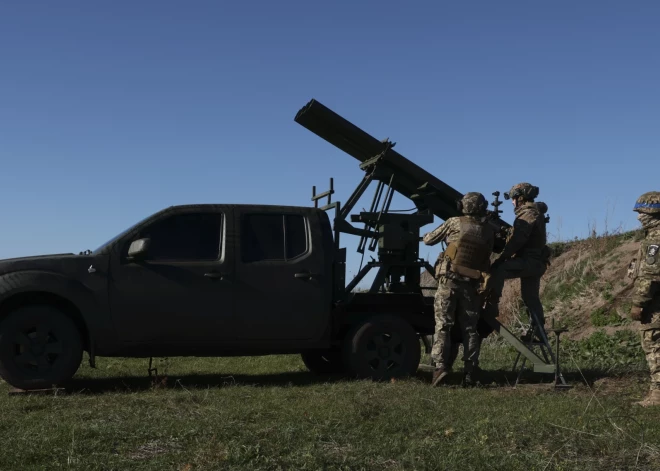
(138, 248)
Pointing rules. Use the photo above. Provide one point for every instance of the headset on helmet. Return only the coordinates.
(525, 191)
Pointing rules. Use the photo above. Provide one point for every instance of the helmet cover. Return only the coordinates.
(473, 203)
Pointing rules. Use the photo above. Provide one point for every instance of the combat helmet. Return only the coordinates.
(648, 203)
(525, 191)
(473, 203)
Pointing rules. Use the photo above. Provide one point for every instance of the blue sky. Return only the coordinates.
(110, 111)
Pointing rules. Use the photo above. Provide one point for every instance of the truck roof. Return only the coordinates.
(239, 205)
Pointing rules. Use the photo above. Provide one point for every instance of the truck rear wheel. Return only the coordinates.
(381, 348)
(323, 361)
(39, 347)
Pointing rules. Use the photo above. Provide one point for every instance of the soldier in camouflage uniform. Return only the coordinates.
(524, 256)
(646, 295)
(459, 271)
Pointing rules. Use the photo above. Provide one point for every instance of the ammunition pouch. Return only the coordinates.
(450, 253)
(446, 263)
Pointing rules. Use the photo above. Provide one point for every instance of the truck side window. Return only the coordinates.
(296, 236)
(185, 237)
(273, 237)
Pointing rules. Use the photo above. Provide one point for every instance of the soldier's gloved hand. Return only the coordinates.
(636, 313)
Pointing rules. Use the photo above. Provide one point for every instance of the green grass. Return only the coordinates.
(270, 413)
(604, 316)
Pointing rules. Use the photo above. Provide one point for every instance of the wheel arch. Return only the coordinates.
(59, 302)
(422, 323)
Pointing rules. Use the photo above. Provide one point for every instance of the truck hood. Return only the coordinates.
(64, 263)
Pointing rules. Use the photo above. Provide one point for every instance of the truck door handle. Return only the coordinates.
(214, 275)
(306, 275)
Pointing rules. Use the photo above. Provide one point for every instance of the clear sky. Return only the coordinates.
(110, 111)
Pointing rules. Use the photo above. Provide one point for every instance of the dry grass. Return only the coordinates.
(585, 286)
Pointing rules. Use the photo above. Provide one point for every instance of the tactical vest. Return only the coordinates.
(469, 255)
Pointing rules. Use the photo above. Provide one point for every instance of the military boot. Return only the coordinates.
(439, 374)
(651, 399)
(468, 379)
(471, 377)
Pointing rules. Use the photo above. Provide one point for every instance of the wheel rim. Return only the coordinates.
(36, 350)
(385, 352)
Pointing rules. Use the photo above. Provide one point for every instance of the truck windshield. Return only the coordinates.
(118, 236)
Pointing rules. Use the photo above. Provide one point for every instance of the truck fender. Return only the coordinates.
(24, 287)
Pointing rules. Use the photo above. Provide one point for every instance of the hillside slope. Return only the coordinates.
(585, 288)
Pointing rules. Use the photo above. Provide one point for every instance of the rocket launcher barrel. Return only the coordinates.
(425, 190)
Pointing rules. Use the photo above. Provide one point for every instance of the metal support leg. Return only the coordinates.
(536, 337)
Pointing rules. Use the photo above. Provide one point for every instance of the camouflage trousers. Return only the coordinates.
(650, 337)
(530, 271)
(456, 301)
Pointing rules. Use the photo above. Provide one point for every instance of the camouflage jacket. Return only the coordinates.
(528, 234)
(646, 274)
(447, 232)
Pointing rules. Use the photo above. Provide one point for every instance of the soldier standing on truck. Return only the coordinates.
(524, 256)
(646, 295)
(459, 270)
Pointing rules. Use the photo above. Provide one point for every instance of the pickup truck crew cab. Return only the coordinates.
(202, 280)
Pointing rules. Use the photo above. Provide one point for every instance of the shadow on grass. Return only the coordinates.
(506, 378)
(194, 382)
(489, 378)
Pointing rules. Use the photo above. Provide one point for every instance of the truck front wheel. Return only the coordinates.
(381, 348)
(39, 347)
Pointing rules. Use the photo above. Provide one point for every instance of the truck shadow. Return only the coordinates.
(195, 382)
(495, 379)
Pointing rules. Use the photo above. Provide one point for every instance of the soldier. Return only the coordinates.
(524, 256)
(459, 268)
(646, 295)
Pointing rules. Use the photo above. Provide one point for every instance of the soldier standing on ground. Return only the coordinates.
(459, 270)
(646, 294)
(524, 256)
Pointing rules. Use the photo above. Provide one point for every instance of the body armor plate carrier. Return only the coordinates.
(470, 254)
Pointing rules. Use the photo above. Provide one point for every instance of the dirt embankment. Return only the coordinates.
(585, 288)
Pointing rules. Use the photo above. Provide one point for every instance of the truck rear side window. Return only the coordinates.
(296, 235)
(185, 237)
(273, 237)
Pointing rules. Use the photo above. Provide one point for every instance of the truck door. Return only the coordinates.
(180, 292)
(283, 282)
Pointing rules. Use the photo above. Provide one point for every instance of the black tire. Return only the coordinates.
(323, 362)
(23, 347)
(398, 355)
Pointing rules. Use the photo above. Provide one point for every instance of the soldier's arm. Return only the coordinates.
(522, 228)
(440, 233)
(644, 290)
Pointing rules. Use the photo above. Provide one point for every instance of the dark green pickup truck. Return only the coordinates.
(203, 280)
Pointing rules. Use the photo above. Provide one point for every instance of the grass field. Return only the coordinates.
(270, 413)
